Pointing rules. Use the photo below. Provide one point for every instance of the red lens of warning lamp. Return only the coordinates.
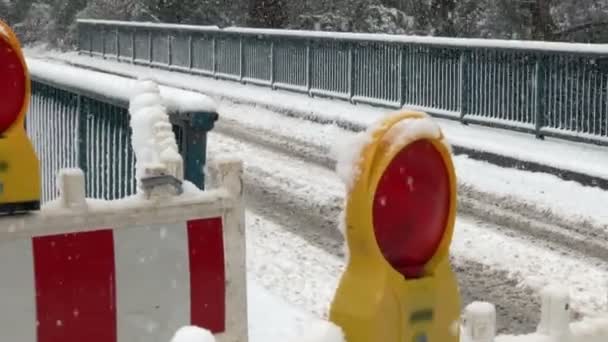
(411, 208)
(12, 84)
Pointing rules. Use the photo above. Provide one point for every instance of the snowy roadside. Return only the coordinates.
(580, 161)
(568, 201)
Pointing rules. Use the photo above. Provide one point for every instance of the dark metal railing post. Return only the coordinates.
(214, 53)
(190, 52)
(308, 67)
(103, 42)
(272, 65)
(241, 60)
(539, 96)
(465, 83)
(169, 49)
(133, 35)
(351, 72)
(117, 44)
(150, 47)
(195, 128)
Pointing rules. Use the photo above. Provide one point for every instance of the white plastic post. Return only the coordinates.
(70, 183)
(227, 174)
(480, 322)
(555, 313)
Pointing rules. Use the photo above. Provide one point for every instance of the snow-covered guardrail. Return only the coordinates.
(80, 118)
(547, 89)
(134, 269)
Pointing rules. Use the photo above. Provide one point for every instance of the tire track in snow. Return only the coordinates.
(572, 235)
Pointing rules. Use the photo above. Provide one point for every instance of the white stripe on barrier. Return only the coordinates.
(152, 284)
(17, 304)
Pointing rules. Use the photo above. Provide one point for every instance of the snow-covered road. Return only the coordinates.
(508, 242)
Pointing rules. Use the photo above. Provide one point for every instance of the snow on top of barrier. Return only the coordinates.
(116, 88)
(376, 37)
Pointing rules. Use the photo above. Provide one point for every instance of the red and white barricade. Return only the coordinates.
(129, 270)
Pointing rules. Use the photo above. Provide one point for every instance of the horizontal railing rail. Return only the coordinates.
(78, 118)
(548, 89)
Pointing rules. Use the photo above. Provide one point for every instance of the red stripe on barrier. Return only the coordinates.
(75, 287)
(207, 275)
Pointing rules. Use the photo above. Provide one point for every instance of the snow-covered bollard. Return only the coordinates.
(152, 137)
(555, 313)
(70, 183)
(192, 334)
(480, 322)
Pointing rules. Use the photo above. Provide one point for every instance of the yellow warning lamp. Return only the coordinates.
(19, 169)
(398, 285)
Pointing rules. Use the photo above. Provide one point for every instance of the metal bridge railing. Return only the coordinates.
(76, 127)
(548, 89)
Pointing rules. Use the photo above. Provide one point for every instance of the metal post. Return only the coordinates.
(539, 98)
(190, 52)
(196, 126)
(308, 67)
(242, 59)
(351, 73)
(81, 147)
(169, 48)
(133, 45)
(117, 44)
(465, 91)
(272, 66)
(214, 59)
(150, 47)
(403, 75)
(103, 43)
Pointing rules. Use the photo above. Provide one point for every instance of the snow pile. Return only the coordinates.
(319, 331)
(322, 331)
(192, 334)
(152, 138)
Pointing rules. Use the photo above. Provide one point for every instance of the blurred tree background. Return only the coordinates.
(52, 21)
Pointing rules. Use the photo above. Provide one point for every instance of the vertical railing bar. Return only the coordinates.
(351, 73)
(241, 59)
(190, 51)
(539, 96)
(464, 84)
(214, 59)
(169, 48)
(117, 44)
(133, 35)
(308, 67)
(150, 47)
(272, 64)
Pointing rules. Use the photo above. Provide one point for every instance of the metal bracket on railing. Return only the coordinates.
(161, 184)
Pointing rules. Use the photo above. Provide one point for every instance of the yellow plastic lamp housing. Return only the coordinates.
(19, 169)
(400, 212)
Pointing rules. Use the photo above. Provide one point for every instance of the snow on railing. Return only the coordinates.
(544, 88)
(80, 118)
(369, 37)
(479, 322)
